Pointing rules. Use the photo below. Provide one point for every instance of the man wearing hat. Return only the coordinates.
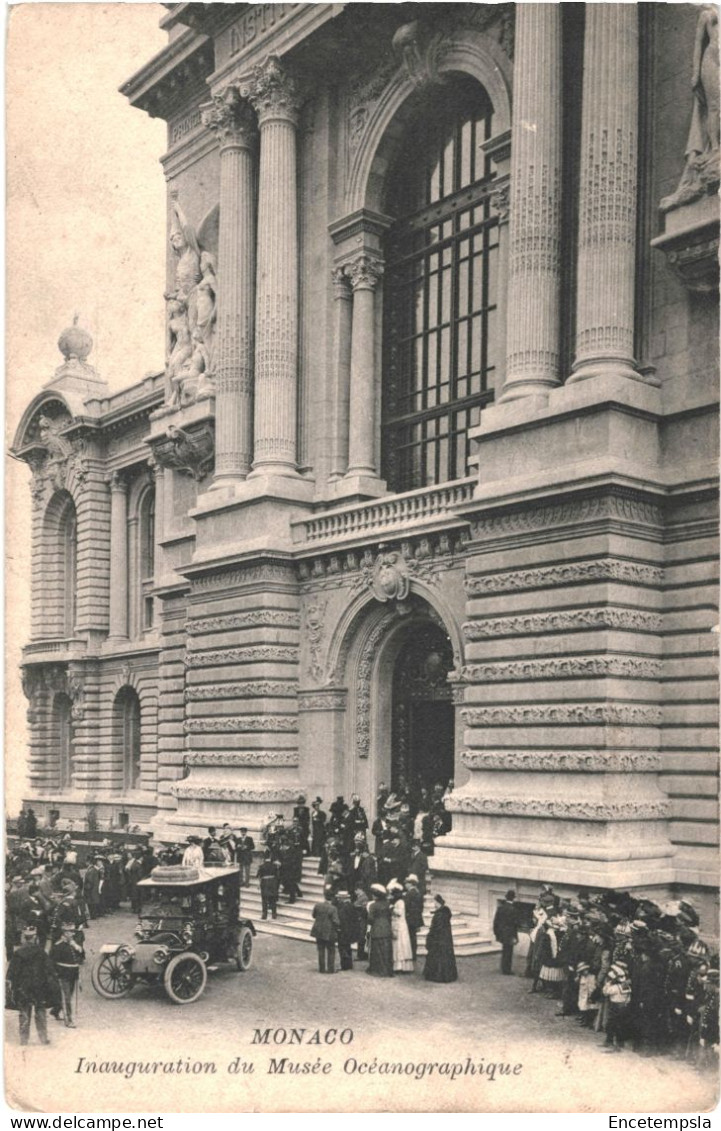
(301, 813)
(244, 849)
(346, 930)
(505, 929)
(66, 955)
(414, 911)
(362, 866)
(193, 855)
(357, 820)
(31, 985)
(326, 925)
(268, 881)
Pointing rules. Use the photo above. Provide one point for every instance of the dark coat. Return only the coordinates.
(244, 849)
(317, 824)
(365, 874)
(31, 978)
(326, 922)
(348, 928)
(414, 908)
(441, 958)
(379, 919)
(505, 922)
(268, 876)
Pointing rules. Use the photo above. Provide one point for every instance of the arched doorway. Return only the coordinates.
(422, 713)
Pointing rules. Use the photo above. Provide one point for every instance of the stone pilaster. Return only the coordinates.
(273, 94)
(342, 368)
(233, 122)
(532, 364)
(607, 205)
(364, 274)
(118, 628)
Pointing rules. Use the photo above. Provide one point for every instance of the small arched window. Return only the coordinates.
(440, 333)
(127, 731)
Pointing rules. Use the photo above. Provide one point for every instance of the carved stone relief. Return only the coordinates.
(239, 724)
(314, 623)
(632, 620)
(566, 810)
(564, 714)
(562, 667)
(247, 689)
(544, 577)
(247, 758)
(257, 618)
(248, 654)
(585, 761)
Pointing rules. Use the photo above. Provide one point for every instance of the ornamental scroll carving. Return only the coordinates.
(605, 569)
(258, 618)
(272, 91)
(570, 810)
(418, 53)
(190, 450)
(248, 758)
(623, 508)
(363, 694)
(591, 761)
(633, 620)
(604, 714)
(248, 654)
(189, 789)
(562, 667)
(63, 460)
(240, 724)
(248, 689)
(314, 622)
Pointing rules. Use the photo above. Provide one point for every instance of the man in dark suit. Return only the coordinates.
(414, 911)
(505, 929)
(362, 866)
(317, 824)
(326, 925)
(418, 865)
(268, 880)
(244, 848)
(347, 930)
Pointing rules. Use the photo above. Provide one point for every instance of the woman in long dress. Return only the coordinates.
(401, 939)
(441, 957)
(380, 958)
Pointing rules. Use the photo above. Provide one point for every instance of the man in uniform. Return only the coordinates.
(505, 928)
(244, 849)
(66, 955)
(32, 985)
(268, 880)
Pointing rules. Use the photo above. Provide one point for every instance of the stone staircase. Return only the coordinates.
(295, 920)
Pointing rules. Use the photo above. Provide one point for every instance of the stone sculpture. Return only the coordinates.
(701, 171)
(191, 315)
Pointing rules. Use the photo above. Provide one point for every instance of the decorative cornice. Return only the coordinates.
(240, 724)
(189, 789)
(556, 762)
(568, 620)
(563, 667)
(563, 714)
(238, 758)
(330, 700)
(564, 810)
(610, 506)
(248, 654)
(565, 573)
(271, 571)
(247, 689)
(257, 618)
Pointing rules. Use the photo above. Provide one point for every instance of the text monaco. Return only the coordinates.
(302, 1037)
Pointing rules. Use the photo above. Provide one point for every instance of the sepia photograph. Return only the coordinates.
(361, 558)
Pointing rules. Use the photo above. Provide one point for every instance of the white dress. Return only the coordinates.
(402, 953)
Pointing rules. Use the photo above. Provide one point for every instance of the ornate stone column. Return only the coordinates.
(118, 626)
(532, 364)
(342, 365)
(273, 94)
(607, 208)
(364, 274)
(233, 121)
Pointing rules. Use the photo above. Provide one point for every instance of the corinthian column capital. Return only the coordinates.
(231, 118)
(364, 272)
(273, 92)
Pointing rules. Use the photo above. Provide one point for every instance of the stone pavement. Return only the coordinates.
(483, 1019)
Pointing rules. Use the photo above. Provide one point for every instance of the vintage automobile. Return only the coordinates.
(189, 922)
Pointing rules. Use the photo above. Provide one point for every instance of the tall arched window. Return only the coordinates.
(127, 732)
(63, 737)
(440, 288)
(69, 550)
(146, 557)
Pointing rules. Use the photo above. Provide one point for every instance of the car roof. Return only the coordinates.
(187, 877)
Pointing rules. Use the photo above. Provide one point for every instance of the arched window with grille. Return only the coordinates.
(440, 330)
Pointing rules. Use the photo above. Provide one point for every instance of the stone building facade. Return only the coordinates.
(428, 486)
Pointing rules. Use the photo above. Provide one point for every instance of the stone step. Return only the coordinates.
(463, 949)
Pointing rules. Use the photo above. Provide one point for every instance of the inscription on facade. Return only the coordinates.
(255, 24)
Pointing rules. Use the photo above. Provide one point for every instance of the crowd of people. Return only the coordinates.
(626, 967)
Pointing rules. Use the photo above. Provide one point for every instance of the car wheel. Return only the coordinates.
(185, 978)
(244, 950)
(111, 977)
